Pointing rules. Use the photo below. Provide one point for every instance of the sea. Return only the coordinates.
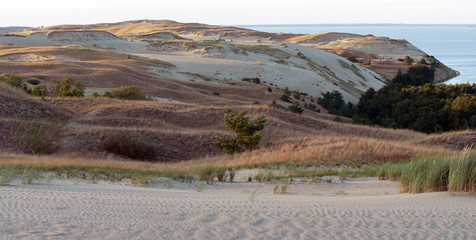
(453, 45)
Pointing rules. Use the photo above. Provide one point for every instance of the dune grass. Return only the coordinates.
(455, 174)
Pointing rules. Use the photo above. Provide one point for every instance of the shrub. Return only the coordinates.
(408, 60)
(13, 80)
(39, 91)
(129, 93)
(39, 138)
(70, 88)
(129, 146)
(287, 91)
(66, 88)
(297, 95)
(16, 81)
(247, 131)
(270, 89)
(285, 98)
(253, 80)
(296, 108)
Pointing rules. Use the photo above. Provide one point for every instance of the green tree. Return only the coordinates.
(69, 88)
(247, 131)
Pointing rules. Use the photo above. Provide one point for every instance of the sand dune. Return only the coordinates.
(67, 210)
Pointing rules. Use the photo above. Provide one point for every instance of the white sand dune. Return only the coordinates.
(65, 210)
(297, 67)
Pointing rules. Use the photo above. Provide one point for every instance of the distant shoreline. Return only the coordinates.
(356, 24)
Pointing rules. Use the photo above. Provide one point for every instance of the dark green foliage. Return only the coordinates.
(285, 98)
(335, 104)
(39, 138)
(16, 81)
(253, 80)
(408, 60)
(39, 91)
(416, 76)
(13, 80)
(25, 88)
(310, 106)
(108, 94)
(67, 88)
(270, 89)
(247, 131)
(129, 93)
(428, 108)
(129, 146)
(296, 108)
(297, 95)
(286, 91)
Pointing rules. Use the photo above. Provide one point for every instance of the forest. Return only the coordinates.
(411, 101)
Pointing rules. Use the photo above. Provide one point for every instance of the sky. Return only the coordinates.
(36, 13)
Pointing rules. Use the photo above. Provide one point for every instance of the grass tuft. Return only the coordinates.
(456, 174)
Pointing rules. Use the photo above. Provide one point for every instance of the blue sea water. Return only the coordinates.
(454, 45)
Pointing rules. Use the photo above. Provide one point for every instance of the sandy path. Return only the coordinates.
(64, 210)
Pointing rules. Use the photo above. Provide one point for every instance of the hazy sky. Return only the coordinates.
(222, 12)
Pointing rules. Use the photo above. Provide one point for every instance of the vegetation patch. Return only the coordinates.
(253, 80)
(39, 138)
(247, 131)
(264, 49)
(129, 146)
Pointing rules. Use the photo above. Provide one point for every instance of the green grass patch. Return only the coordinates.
(455, 174)
(263, 49)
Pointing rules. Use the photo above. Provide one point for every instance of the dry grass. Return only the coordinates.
(331, 151)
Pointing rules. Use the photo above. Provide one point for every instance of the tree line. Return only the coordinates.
(411, 101)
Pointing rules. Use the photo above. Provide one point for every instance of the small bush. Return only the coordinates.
(39, 91)
(285, 98)
(296, 108)
(129, 146)
(205, 173)
(13, 80)
(247, 131)
(297, 95)
(39, 138)
(70, 88)
(253, 80)
(129, 93)
(408, 60)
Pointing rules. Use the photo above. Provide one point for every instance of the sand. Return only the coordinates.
(313, 71)
(355, 209)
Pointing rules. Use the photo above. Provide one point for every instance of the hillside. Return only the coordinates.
(386, 54)
(193, 72)
(203, 53)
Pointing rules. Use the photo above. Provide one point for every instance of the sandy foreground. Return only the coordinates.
(355, 209)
